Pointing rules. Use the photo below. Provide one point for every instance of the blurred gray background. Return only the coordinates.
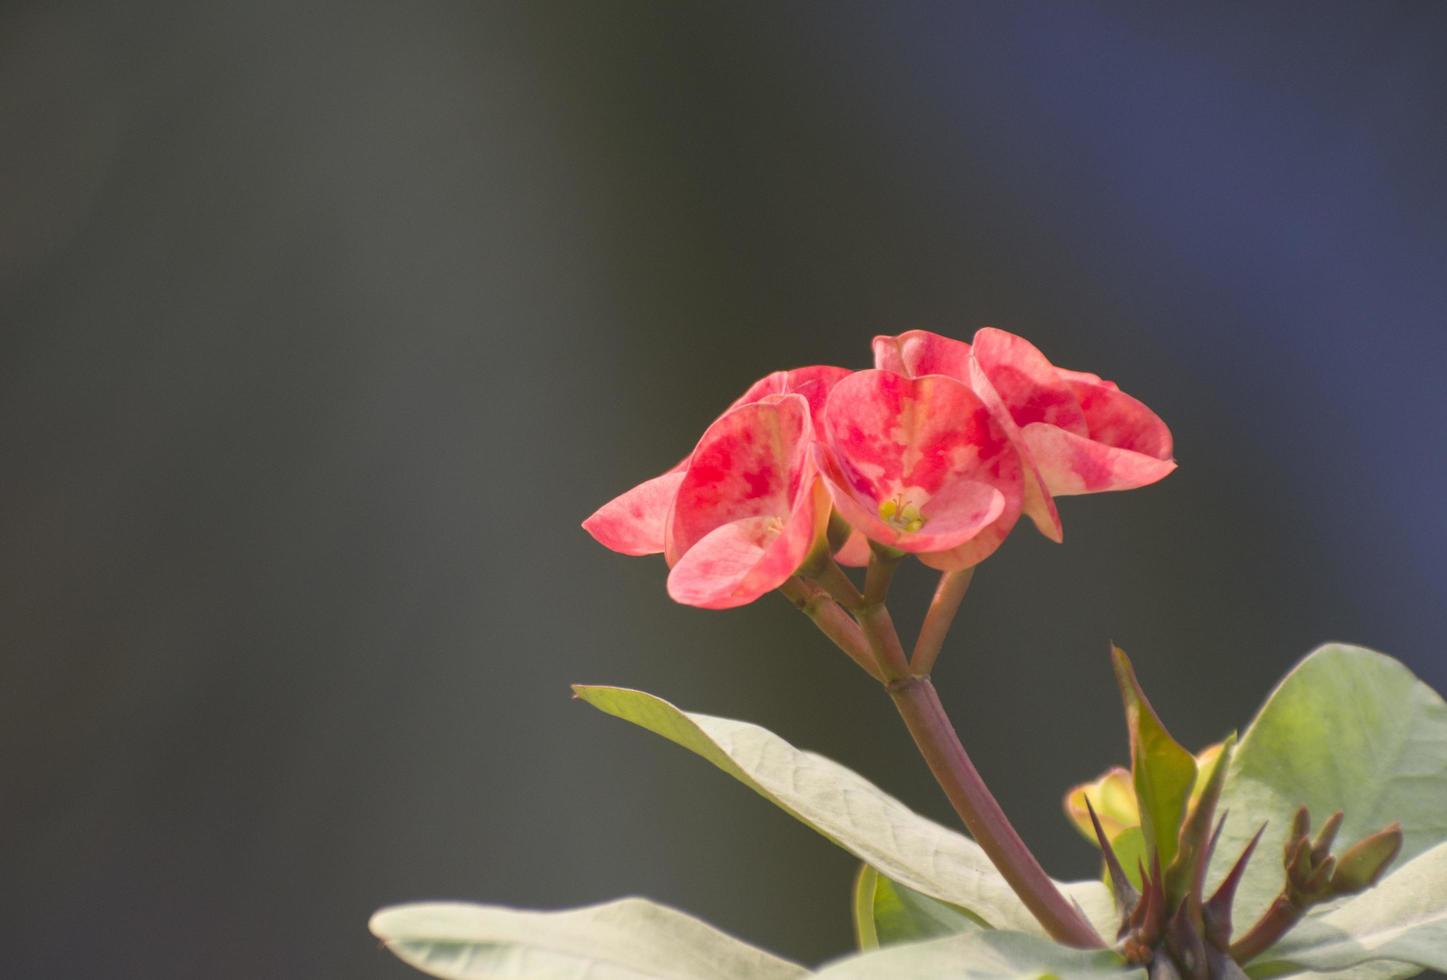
(323, 324)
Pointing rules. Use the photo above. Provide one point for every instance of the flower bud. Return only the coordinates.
(1363, 863)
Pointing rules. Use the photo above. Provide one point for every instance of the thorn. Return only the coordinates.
(1138, 917)
(1126, 896)
(1215, 836)
(1154, 919)
(1217, 911)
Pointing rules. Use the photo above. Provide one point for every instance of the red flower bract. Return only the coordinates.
(749, 506)
(634, 522)
(1082, 434)
(937, 452)
(919, 464)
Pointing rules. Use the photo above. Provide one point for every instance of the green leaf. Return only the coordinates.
(630, 939)
(1163, 771)
(865, 935)
(899, 914)
(1403, 918)
(849, 810)
(1182, 877)
(983, 954)
(1348, 729)
(1130, 850)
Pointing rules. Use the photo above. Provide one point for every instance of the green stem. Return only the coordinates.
(919, 705)
(937, 621)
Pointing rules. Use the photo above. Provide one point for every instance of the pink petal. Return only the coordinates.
(633, 523)
(1084, 377)
(855, 552)
(1071, 464)
(929, 444)
(1028, 385)
(975, 550)
(1081, 434)
(813, 382)
(737, 562)
(1037, 502)
(1119, 420)
(752, 462)
(919, 352)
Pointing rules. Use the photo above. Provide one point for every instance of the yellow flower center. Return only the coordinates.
(901, 514)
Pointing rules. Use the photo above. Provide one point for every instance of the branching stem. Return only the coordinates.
(834, 623)
(872, 641)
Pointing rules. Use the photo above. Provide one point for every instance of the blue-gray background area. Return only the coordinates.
(324, 325)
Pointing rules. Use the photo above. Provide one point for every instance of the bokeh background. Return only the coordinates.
(323, 324)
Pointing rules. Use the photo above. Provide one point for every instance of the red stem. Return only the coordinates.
(937, 621)
(1273, 924)
(927, 722)
(834, 623)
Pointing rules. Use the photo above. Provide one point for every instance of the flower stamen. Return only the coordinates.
(901, 514)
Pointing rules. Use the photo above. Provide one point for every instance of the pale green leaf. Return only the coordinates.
(981, 955)
(1348, 729)
(849, 810)
(630, 939)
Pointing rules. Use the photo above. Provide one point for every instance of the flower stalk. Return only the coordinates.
(919, 705)
(937, 621)
(924, 715)
(834, 623)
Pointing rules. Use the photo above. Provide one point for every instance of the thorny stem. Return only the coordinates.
(937, 621)
(834, 623)
(1275, 923)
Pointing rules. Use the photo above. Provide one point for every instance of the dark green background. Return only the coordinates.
(323, 324)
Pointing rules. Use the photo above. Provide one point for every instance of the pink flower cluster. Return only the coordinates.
(937, 451)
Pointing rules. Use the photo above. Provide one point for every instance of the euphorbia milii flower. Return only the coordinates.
(915, 353)
(1077, 433)
(919, 464)
(1083, 434)
(634, 522)
(749, 506)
